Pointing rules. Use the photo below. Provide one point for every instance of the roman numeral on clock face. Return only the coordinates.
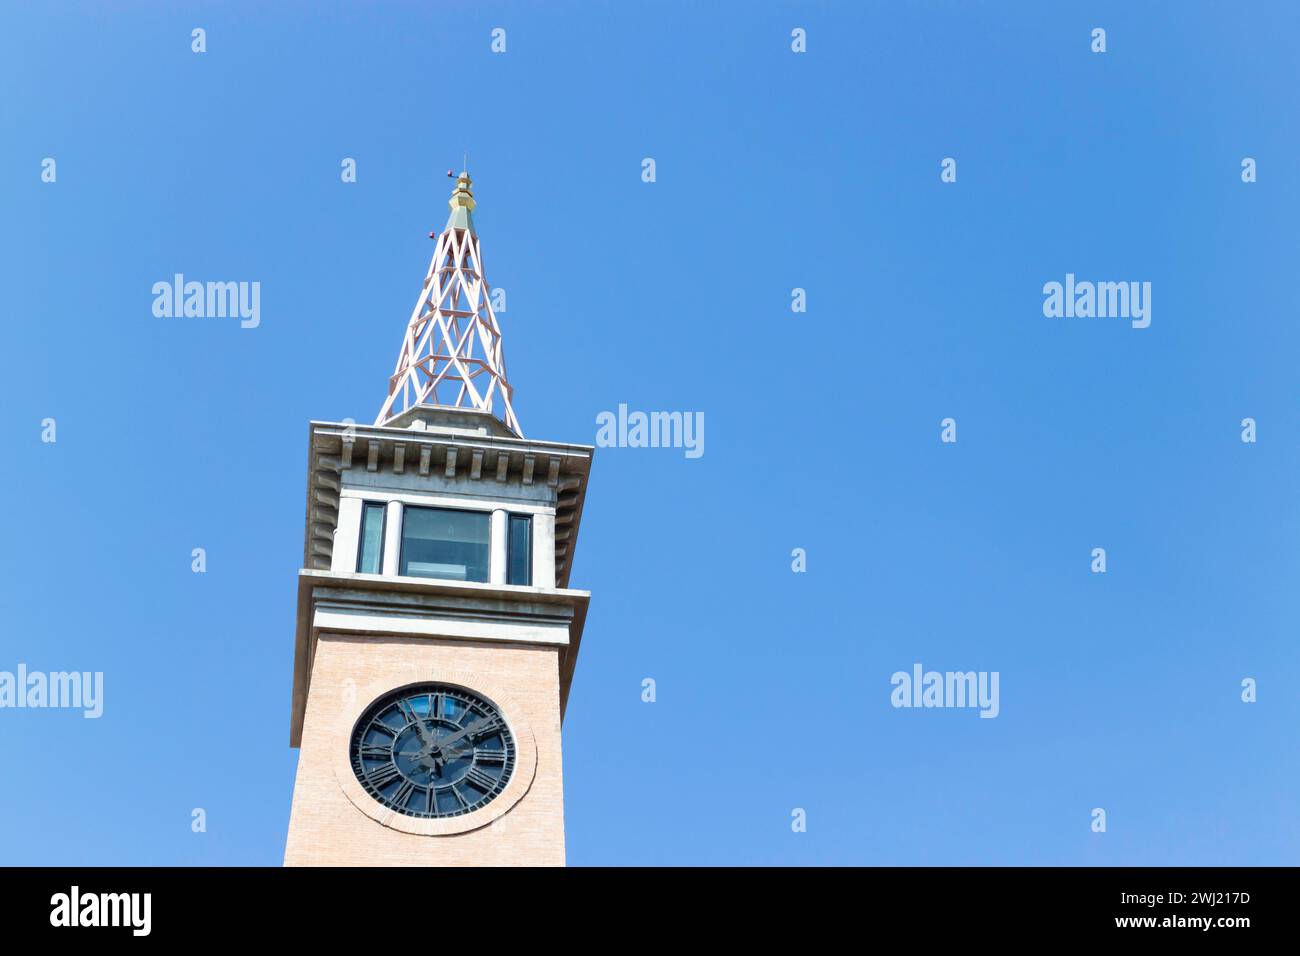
(382, 776)
(407, 711)
(483, 781)
(375, 752)
(486, 727)
(490, 756)
(403, 794)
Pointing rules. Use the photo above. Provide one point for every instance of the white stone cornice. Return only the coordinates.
(385, 607)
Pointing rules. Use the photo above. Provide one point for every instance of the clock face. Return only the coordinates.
(433, 751)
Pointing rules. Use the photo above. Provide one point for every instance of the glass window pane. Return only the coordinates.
(371, 552)
(441, 543)
(520, 551)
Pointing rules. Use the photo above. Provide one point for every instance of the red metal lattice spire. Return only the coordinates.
(451, 353)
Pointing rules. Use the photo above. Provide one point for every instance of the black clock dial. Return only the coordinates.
(433, 751)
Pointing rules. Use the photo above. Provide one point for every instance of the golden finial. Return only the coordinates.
(461, 203)
(463, 195)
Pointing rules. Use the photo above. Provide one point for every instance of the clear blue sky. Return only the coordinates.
(775, 170)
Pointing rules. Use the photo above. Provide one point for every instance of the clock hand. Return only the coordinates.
(456, 753)
(423, 731)
(441, 751)
(475, 729)
(462, 748)
(424, 759)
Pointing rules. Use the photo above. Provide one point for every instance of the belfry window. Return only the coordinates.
(444, 543)
(519, 550)
(370, 553)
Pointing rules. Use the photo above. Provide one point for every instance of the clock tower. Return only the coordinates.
(436, 631)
